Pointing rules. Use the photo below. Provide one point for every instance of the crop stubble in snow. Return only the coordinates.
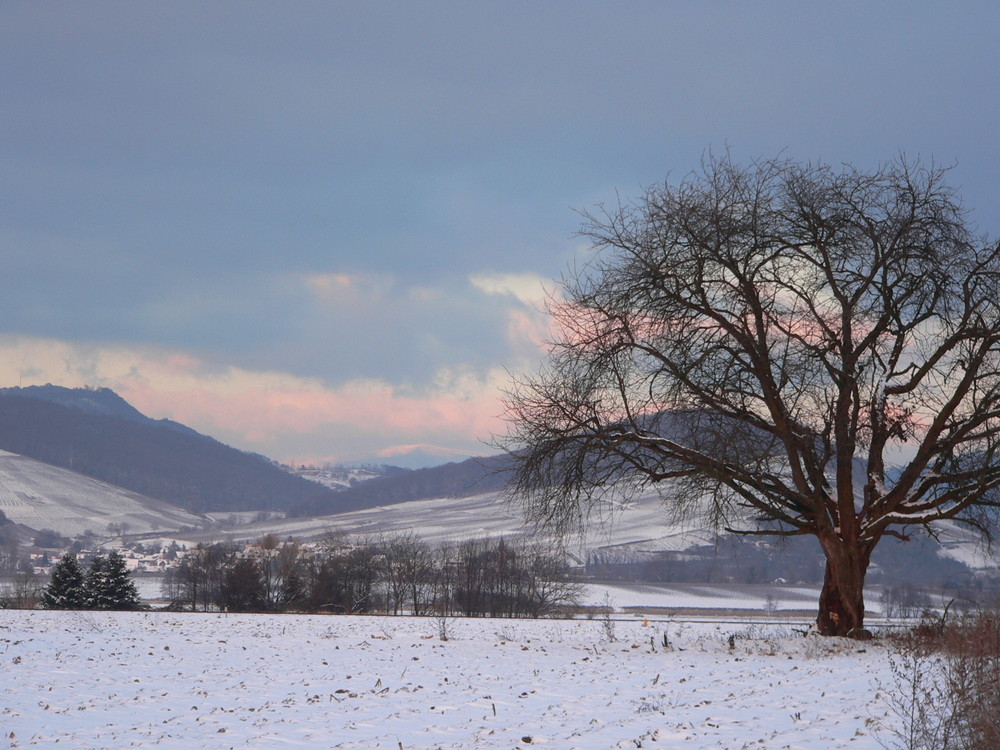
(111, 680)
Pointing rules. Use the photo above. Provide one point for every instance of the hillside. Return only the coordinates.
(639, 540)
(41, 496)
(98, 434)
(473, 476)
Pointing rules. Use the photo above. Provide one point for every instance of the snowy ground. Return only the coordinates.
(762, 598)
(115, 680)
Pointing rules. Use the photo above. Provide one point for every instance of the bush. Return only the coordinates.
(50, 539)
(947, 684)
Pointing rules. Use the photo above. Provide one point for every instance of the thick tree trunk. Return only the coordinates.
(842, 601)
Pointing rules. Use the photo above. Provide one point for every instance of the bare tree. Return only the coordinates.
(361, 574)
(23, 591)
(549, 587)
(802, 349)
(406, 567)
(243, 587)
(279, 564)
(265, 553)
(201, 575)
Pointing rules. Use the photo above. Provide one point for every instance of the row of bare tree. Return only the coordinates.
(395, 575)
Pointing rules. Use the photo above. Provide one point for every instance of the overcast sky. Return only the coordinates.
(322, 230)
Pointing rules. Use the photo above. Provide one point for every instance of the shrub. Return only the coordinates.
(947, 684)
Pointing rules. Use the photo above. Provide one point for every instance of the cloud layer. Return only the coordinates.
(293, 417)
(317, 229)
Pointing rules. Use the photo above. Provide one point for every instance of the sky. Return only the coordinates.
(326, 231)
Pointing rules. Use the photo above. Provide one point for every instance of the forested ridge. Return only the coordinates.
(160, 459)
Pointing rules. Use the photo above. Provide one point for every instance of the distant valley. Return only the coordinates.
(84, 462)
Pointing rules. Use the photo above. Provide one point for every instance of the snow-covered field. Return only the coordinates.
(756, 598)
(185, 680)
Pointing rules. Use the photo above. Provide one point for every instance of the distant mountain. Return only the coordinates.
(93, 401)
(473, 476)
(341, 477)
(484, 474)
(97, 433)
(90, 400)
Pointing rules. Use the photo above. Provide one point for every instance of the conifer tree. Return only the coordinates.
(66, 588)
(121, 589)
(108, 584)
(94, 584)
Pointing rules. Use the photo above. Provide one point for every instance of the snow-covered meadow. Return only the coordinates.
(186, 680)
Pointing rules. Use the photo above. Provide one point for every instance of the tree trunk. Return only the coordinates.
(842, 601)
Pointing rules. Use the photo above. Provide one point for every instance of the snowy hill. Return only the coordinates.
(97, 433)
(640, 525)
(636, 539)
(41, 496)
(339, 477)
(474, 476)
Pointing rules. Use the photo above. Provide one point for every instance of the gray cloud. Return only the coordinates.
(171, 170)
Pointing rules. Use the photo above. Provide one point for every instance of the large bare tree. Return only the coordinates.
(801, 349)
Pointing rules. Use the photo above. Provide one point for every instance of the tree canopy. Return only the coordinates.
(800, 349)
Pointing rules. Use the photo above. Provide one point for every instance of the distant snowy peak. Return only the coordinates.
(342, 477)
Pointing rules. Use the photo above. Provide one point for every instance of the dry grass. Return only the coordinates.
(947, 684)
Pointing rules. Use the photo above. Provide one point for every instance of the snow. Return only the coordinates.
(641, 524)
(42, 496)
(112, 680)
(752, 597)
(336, 477)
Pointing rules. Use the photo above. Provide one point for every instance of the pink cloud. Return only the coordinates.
(275, 413)
(527, 327)
(259, 413)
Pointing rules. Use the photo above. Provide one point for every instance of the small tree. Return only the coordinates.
(10, 549)
(766, 342)
(66, 586)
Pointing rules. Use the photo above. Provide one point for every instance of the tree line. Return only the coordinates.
(392, 575)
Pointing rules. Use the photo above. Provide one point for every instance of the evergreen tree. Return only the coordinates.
(66, 588)
(94, 584)
(108, 584)
(121, 589)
